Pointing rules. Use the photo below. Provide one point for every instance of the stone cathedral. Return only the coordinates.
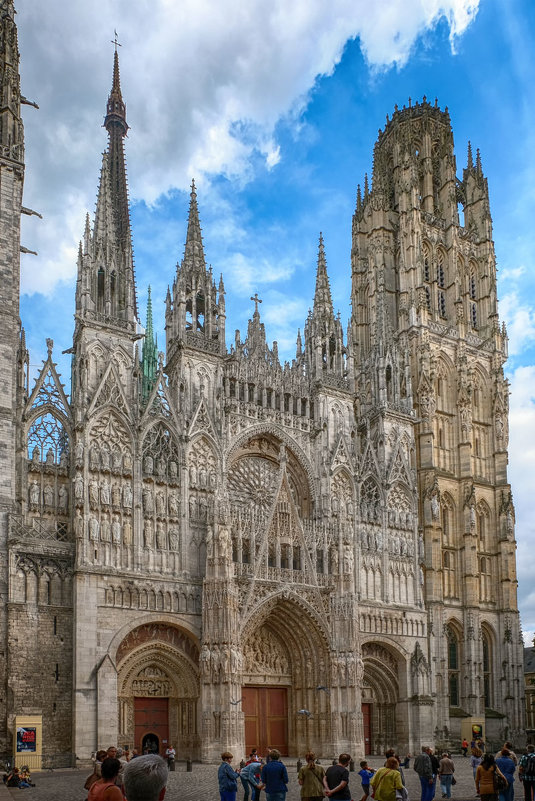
(209, 548)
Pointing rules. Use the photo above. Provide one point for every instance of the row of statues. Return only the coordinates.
(49, 497)
(119, 532)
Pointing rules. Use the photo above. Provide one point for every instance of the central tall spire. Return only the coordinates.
(115, 124)
(106, 290)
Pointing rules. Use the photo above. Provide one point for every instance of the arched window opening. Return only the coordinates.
(100, 290)
(200, 309)
(487, 672)
(189, 315)
(426, 269)
(453, 667)
(389, 391)
(427, 298)
(113, 291)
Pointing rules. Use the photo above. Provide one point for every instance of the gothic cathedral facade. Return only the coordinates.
(209, 548)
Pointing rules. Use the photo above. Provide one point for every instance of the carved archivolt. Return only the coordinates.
(161, 633)
(156, 669)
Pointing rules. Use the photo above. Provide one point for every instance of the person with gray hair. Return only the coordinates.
(145, 778)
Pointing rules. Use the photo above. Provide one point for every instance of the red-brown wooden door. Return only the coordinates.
(266, 718)
(151, 716)
(367, 726)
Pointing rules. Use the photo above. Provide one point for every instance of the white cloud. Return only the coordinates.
(521, 472)
(520, 320)
(205, 83)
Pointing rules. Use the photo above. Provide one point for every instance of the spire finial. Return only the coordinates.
(470, 162)
(115, 41)
(256, 300)
(478, 162)
(194, 250)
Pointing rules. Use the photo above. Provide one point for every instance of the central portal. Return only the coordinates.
(265, 711)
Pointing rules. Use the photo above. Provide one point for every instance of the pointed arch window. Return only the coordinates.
(100, 289)
(441, 283)
(453, 667)
(487, 670)
(113, 291)
(448, 572)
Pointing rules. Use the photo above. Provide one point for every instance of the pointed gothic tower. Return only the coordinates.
(105, 291)
(149, 355)
(425, 314)
(324, 335)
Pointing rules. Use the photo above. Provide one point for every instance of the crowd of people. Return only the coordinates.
(118, 775)
(494, 776)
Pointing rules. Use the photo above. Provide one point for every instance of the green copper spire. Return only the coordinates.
(149, 354)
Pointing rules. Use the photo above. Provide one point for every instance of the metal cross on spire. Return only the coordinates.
(115, 41)
(256, 300)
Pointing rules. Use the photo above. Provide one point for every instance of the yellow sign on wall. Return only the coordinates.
(28, 741)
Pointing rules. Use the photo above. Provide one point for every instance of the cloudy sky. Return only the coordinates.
(274, 108)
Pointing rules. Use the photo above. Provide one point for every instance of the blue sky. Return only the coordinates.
(275, 114)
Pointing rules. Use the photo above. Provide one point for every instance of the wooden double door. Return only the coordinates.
(151, 724)
(266, 718)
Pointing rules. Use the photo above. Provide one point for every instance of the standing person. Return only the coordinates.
(435, 764)
(275, 777)
(105, 789)
(336, 779)
(464, 747)
(475, 759)
(170, 755)
(526, 772)
(365, 774)
(509, 746)
(446, 769)
(227, 778)
(145, 778)
(250, 778)
(486, 778)
(507, 766)
(310, 778)
(387, 781)
(424, 769)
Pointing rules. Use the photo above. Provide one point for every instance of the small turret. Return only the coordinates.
(149, 354)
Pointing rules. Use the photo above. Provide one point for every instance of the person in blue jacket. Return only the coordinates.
(227, 778)
(275, 777)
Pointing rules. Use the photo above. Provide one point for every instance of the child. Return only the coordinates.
(365, 774)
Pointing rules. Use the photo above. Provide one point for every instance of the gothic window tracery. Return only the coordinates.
(454, 665)
(370, 501)
(48, 463)
(486, 647)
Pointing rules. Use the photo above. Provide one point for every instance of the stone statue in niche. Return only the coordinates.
(34, 493)
(105, 530)
(63, 497)
(79, 487)
(148, 464)
(116, 495)
(148, 534)
(348, 559)
(210, 542)
(127, 532)
(173, 504)
(116, 531)
(48, 494)
(105, 458)
(117, 461)
(78, 525)
(50, 457)
(127, 463)
(148, 501)
(161, 540)
(105, 493)
(173, 469)
(160, 467)
(94, 458)
(173, 539)
(93, 493)
(35, 455)
(160, 503)
(127, 496)
(93, 529)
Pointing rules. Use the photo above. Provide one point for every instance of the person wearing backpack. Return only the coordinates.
(526, 772)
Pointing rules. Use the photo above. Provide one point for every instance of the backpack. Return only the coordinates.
(528, 768)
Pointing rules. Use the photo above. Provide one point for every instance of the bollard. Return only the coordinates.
(171, 764)
(189, 765)
(299, 765)
(351, 765)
